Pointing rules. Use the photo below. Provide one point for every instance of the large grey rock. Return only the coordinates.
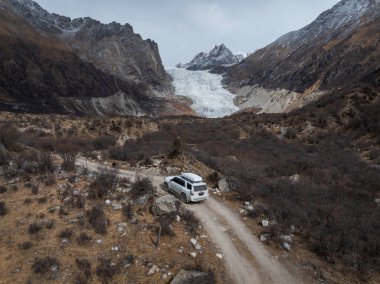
(164, 204)
(226, 184)
(190, 277)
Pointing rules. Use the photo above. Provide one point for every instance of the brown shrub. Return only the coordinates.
(98, 220)
(84, 239)
(25, 245)
(105, 182)
(84, 267)
(106, 270)
(34, 228)
(3, 189)
(104, 142)
(3, 208)
(45, 265)
(142, 186)
(192, 222)
(66, 233)
(9, 136)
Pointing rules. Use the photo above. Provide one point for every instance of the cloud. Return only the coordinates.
(211, 17)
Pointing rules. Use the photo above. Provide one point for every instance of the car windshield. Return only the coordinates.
(200, 187)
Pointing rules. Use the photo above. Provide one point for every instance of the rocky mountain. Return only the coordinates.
(340, 48)
(219, 55)
(52, 63)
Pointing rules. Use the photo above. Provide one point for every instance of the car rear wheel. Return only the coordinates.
(184, 198)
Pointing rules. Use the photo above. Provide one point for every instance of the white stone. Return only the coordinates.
(265, 223)
(153, 270)
(195, 244)
(99, 241)
(108, 202)
(219, 255)
(193, 254)
(286, 246)
(264, 237)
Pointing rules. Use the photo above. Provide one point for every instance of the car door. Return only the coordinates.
(176, 185)
(180, 186)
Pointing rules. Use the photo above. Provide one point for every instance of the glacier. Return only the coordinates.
(209, 97)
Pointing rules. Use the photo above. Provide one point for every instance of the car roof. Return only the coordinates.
(192, 177)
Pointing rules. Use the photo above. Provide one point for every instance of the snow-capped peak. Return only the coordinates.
(219, 55)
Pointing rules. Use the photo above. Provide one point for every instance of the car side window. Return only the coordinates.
(181, 182)
(176, 180)
(189, 186)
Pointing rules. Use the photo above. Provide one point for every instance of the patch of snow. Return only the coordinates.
(209, 97)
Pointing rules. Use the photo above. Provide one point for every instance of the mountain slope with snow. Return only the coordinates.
(209, 98)
(341, 46)
(339, 49)
(219, 55)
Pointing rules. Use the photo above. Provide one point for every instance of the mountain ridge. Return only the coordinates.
(339, 48)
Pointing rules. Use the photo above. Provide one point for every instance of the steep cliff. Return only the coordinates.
(79, 66)
(113, 48)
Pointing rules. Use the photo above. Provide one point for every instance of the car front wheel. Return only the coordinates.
(184, 198)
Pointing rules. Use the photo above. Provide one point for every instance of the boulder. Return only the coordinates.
(294, 178)
(264, 237)
(164, 204)
(142, 200)
(226, 184)
(286, 246)
(189, 277)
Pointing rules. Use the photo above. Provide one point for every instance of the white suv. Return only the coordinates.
(190, 187)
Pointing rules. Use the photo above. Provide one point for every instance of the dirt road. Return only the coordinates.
(246, 259)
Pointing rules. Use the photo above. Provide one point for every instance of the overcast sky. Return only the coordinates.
(182, 28)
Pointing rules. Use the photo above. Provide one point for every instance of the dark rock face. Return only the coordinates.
(220, 55)
(113, 48)
(341, 47)
(37, 72)
(50, 63)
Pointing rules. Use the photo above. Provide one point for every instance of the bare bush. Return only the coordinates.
(34, 228)
(25, 245)
(105, 182)
(176, 148)
(104, 142)
(192, 222)
(3, 208)
(127, 211)
(45, 265)
(142, 186)
(9, 136)
(45, 162)
(84, 267)
(106, 269)
(166, 225)
(84, 239)
(69, 154)
(3, 189)
(98, 220)
(50, 179)
(66, 233)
